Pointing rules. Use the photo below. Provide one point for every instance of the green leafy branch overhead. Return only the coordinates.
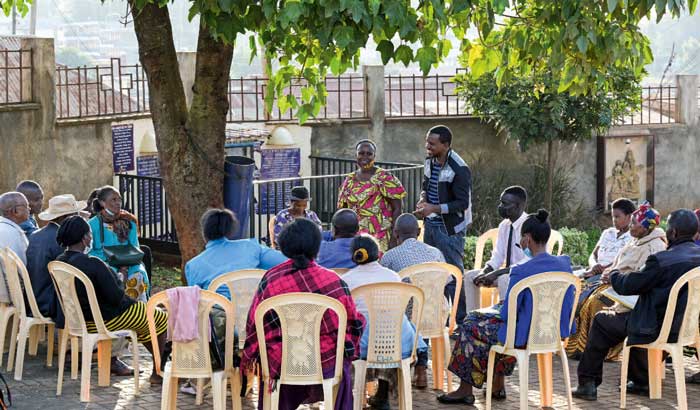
(577, 41)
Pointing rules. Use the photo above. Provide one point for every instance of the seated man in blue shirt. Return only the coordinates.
(222, 255)
(336, 253)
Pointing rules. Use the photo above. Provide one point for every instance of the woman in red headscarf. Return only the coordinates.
(648, 239)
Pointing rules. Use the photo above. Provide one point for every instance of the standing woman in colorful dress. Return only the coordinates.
(374, 194)
(111, 227)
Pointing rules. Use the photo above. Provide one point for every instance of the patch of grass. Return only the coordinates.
(165, 277)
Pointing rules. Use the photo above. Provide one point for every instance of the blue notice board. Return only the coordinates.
(277, 163)
(149, 191)
(123, 147)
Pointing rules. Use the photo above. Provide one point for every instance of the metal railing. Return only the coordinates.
(657, 107)
(417, 96)
(146, 198)
(273, 195)
(16, 73)
(101, 90)
(346, 99)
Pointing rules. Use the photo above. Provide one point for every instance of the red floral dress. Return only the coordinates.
(371, 200)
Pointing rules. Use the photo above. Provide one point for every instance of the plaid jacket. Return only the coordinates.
(315, 279)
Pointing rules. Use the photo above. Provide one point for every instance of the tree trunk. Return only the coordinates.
(190, 145)
(550, 176)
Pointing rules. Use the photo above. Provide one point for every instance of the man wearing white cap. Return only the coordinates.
(43, 248)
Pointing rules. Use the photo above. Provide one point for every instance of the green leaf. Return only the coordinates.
(344, 36)
(692, 5)
(253, 49)
(386, 49)
(291, 12)
(307, 93)
(582, 44)
(612, 5)
(460, 5)
(426, 57)
(403, 54)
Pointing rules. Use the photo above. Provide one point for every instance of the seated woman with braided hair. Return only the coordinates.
(365, 253)
(482, 329)
(119, 311)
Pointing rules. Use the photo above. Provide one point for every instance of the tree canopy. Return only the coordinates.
(578, 41)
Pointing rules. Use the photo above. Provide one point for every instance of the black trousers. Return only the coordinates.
(607, 331)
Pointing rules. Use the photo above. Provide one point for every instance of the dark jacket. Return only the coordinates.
(108, 289)
(653, 285)
(454, 192)
(41, 250)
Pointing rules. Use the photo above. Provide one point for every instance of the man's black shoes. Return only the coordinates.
(586, 391)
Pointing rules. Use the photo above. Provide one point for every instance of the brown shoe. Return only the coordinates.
(421, 377)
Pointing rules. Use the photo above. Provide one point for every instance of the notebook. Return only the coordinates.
(627, 301)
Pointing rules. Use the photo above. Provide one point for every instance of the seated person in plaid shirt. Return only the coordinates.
(300, 242)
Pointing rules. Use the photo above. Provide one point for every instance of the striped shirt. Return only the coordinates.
(433, 197)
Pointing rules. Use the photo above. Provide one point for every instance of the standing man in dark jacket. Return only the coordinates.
(643, 324)
(445, 203)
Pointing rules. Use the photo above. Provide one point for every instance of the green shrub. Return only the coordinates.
(593, 236)
(575, 245)
(470, 252)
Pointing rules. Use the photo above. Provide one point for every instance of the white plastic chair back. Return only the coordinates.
(193, 359)
(548, 291)
(386, 304)
(688, 332)
(18, 270)
(300, 315)
(13, 285)
(431, 278)
(66, 277)
(555, 239)
(490, 235)
(242, 285)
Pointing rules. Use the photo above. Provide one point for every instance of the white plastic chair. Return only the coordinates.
(386, 305)
(242, 285)
(65, 278)
(300, 315)
(555, 239)
(192, 360)
(7, 312)
(431, 278)
(489, 296)
(687, 336)
(548, 291)
(28, 327)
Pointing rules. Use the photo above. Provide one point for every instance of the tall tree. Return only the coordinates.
(580, 39)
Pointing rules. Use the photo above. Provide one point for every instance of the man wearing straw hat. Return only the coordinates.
(43, 249)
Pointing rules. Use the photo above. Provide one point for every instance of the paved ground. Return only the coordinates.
(37, 390)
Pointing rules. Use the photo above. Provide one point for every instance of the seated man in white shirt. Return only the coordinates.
(14, 210)
(506, 251)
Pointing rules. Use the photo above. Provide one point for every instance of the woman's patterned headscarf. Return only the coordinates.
(647, 216)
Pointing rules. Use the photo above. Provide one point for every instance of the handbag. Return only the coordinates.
(120, 255)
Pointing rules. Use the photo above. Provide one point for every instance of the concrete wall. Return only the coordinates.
(72, 156)
(403, 141)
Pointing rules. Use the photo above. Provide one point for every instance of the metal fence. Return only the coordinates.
(417, 96)
(101, 90)
(346, 99)
(146, 198)
(16, 69)
(658, 107)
